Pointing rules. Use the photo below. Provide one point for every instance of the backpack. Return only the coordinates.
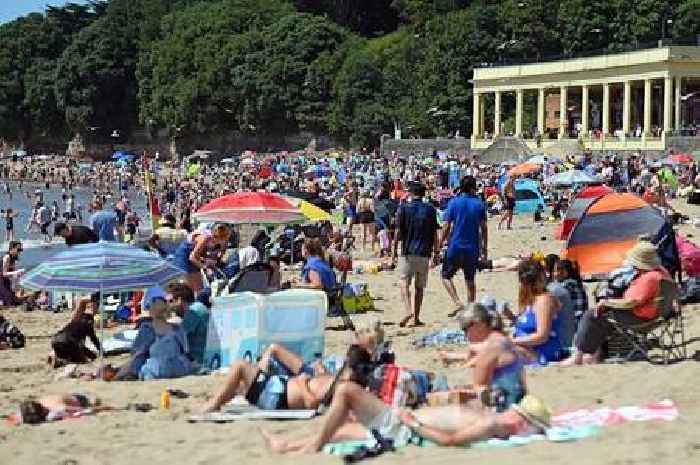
(10, 334)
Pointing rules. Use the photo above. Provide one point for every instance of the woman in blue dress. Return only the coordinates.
(537, 325)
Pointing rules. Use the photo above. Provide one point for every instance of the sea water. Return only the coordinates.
(35, 248)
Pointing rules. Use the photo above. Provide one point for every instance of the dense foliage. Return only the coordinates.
(351, 68)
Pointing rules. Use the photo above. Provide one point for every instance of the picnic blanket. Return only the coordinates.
(567, 426)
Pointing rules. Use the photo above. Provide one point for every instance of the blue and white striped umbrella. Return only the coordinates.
(105, 266)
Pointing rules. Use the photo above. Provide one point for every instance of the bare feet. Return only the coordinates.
(211, 406)
(417, 324)
(273, 442)
(457, 309)
(569, 362)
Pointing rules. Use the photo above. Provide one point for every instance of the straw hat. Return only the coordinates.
(643, 256)
(534, 410)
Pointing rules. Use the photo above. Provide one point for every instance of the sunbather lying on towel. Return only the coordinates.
(446, 426)
(369, 335)
(57, 407)
(280, 392)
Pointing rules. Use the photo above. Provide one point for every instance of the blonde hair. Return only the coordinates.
(372, 328)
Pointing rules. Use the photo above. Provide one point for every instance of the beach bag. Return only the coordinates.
(690, 256)
(357, 299)
(10, 334)
(395, 386)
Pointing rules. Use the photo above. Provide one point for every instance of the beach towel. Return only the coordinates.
(443, 337)
(252, 414)
(567, 426)
(120, 343)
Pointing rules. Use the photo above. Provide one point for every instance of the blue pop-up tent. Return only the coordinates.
(528, 198)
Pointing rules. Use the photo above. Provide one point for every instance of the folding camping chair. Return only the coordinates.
(666, 332)
(252, 278)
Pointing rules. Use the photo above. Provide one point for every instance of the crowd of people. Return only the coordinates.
(417, 212)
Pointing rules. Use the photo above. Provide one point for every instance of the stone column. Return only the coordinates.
(563, 98)
(584, 111)
(476, 110)
(497, 114)
(482, 120)
(647, 107)
(540, 111)
(626, 108)
(606, 109)
(677, 104)
(668, 90)
(519, 113)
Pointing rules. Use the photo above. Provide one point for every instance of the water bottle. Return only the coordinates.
(165, 400)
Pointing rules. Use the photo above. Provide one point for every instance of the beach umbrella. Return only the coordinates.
(251, 208)
(318, 172)
(121, 155)
(571, 178)
(682, 158)
(102, 267)
(542, 159)
(105, 266)
(525, 168)
(313, 213)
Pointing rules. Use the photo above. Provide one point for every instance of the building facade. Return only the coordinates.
(626, 101)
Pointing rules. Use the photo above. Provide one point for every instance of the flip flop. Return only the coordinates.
(404, 321)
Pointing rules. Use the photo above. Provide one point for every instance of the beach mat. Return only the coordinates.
(254, 414)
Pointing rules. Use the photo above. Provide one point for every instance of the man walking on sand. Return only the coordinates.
(416, 230)
(467, 236)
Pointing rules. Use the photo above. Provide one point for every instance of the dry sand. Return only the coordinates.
(166, 438)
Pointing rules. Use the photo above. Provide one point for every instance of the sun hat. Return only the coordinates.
(643, 256)
(534, 410)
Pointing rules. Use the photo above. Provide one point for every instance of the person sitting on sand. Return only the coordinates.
(160, 349)
(637, 305)
(537, 324)
(369, 335)
(68, 345)
(56, 407)
(498, 375)
(452, 425)
(281, 392)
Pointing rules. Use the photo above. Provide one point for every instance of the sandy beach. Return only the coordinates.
(164, 437)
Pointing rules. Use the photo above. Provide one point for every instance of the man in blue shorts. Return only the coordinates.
(465, 227)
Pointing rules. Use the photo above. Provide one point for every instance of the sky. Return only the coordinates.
(12, 9)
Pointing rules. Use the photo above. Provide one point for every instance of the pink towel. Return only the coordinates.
(665, 410)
